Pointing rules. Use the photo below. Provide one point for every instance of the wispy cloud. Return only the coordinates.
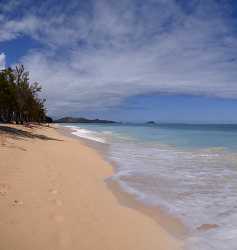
(97, 53)
(2, 61)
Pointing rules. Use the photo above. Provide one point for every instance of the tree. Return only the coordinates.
(19, 100)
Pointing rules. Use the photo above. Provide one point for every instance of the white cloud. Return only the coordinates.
(2, 61)
(98, 55)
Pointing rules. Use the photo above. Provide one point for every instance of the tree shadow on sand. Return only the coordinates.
(16, 133)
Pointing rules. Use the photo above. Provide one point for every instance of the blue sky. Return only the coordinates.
(171, 108)
(134, 60)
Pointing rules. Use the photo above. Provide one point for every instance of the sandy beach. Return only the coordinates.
(53, 196)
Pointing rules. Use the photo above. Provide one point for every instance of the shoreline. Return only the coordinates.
(171, 224)
(53, 196)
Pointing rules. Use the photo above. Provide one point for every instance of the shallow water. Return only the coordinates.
(188, 170)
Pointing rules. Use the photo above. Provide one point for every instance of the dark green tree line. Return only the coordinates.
(19, 99)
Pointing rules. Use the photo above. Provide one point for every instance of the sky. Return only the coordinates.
(127, 60)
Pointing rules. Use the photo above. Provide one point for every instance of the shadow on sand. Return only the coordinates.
(21, 134)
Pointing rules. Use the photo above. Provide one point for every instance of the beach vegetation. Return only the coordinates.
(20, 100)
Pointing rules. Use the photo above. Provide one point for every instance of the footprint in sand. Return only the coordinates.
(2, 140)
(56, 201)
(4, 189)
(53, 191)
(17, 203)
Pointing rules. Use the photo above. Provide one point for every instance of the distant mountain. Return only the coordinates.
(81, 120)
(151, 122)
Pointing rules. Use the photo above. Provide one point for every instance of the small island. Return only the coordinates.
(151, 123)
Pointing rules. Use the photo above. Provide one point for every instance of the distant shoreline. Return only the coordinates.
(82, 120)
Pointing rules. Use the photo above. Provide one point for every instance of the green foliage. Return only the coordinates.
(19, 100)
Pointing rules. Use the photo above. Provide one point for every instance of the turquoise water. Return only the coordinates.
(190, 171)
(180, 135)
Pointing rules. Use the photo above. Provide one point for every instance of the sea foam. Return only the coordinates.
(86, 134)
(194, 180)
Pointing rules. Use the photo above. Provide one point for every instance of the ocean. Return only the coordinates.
(189, 171)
